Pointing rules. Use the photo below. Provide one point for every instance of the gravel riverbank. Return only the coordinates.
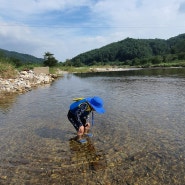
(25, 81)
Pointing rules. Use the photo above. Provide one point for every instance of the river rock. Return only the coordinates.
(25, 81)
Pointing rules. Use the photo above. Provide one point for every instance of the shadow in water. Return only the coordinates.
(52, 133)
(86, 156)
(7, 100)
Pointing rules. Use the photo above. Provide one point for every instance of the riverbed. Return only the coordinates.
(139, 140)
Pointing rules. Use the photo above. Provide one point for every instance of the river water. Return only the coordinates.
(139, 140)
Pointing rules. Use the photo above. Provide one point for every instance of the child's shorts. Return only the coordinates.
(72, 118)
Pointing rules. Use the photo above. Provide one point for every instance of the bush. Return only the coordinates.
(7, 70)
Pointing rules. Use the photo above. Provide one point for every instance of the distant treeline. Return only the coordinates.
(19, 58)
(128, 52)
(134, 52)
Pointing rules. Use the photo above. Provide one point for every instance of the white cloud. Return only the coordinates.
(182, 7)
(27, 27)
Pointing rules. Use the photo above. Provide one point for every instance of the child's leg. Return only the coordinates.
(80, 132)
(87, 128)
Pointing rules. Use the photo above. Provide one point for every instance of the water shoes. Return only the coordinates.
(82, 141)
(89, 135)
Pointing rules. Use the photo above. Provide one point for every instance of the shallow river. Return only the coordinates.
(139, 140)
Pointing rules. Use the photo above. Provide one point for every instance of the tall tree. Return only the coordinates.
(49, 59)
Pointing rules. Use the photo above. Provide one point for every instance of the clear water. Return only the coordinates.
(139, 140)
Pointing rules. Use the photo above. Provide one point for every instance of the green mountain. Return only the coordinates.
(129, 51)
(25, 58)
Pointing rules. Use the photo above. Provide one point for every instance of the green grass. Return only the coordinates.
(28, 66)
(177, 63)
(83, 69)
(7, 70)
(72, 69)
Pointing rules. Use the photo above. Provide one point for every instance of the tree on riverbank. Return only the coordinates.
(49, 60)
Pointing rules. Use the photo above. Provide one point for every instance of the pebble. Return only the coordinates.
(25, 81)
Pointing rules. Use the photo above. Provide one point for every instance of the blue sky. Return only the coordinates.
(67, 28)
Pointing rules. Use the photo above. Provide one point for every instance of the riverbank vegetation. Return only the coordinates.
(7, 69)
(128, 53)
(136, 52)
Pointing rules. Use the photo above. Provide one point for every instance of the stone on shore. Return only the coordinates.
(25, 81)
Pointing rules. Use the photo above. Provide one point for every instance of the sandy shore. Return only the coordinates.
(104, 69)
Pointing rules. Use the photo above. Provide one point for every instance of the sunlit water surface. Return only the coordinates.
(139, 140)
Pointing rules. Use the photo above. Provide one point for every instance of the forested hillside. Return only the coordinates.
(24, 58)
(135, 52)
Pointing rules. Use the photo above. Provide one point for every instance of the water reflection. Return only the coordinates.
(179, 72)
(6, 101)
(51, 133)
(86, 155)
(139, 140)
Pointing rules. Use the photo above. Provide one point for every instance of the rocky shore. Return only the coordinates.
(25, 81)
(112, 69)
